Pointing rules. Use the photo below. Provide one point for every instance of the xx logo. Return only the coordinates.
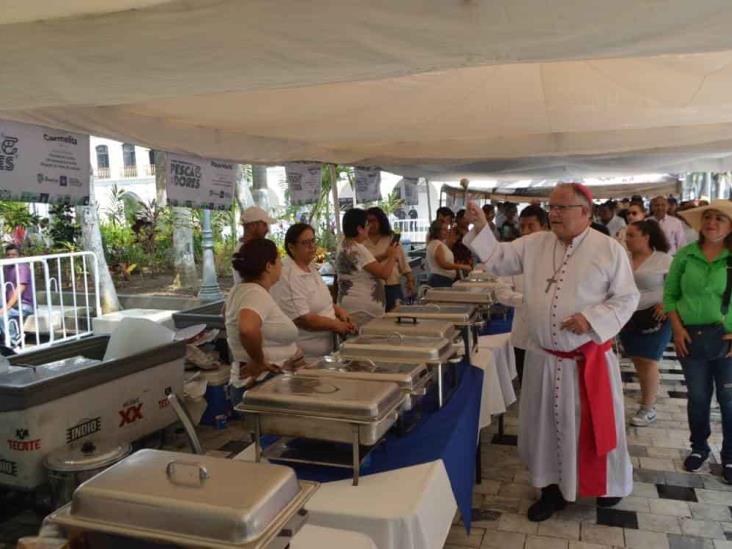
(130, 414)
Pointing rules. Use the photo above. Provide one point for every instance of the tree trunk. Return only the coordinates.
(186, 275)
(91, 241)
(184, 263)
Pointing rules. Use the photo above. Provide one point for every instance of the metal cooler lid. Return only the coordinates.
(396, 347)
(460, 313)
(333, 397)
(410, 326)
(176, 494)
(86, 456)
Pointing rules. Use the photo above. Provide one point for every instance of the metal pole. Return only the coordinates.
(210, 290)
(334, 189)
(429, 200)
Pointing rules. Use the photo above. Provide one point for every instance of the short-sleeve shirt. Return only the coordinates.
(358, 290)
(15, 275)
(299, 293)
(279, 333)
(650, 277)
(401, 266)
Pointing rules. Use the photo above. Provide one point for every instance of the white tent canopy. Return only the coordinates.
(434, 88)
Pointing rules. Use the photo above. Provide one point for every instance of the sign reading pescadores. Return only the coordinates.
(368, 184)
(304, 181)
(38, 164)
(193, 182)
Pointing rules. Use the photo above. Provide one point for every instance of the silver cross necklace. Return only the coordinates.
(553, 279)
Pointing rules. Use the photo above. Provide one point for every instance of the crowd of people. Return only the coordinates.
(580, 277)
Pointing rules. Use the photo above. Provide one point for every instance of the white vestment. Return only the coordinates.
(596, 281)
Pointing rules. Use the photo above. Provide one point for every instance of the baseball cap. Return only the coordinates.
(253, 214)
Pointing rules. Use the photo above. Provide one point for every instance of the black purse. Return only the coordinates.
(644, 321)
(706, 339)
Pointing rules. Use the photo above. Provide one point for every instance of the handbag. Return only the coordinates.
(706, 339)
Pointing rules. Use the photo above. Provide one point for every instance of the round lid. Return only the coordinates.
(86, 455)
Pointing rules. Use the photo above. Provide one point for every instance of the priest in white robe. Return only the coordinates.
(579, 292)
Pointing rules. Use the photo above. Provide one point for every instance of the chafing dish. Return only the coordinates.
(410, 327)
(157, 497)
(411, 378)
(434, 351)
(460, 294)
(464, 316)
(210, 314)
(481, 276)
(330, 409)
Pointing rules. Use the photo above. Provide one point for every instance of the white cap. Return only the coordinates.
(253, 214)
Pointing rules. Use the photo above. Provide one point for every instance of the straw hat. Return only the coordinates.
(694, 215)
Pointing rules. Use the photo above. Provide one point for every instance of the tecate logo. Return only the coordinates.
(83, 429)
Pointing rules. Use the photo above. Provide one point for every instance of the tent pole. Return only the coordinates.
(429, 200)
(334, 190)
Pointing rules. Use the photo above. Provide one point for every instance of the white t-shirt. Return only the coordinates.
(432, 265)
(650, 277)
(299, 293)
(279, 333)
(358, 290)
(615, 224)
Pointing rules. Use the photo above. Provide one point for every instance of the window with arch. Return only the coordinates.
(102, 161)
(128, 160)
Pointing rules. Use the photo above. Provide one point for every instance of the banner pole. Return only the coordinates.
(334, 190)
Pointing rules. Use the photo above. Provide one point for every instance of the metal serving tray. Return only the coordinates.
(459, 314)
(410, 327)
(395, 347)
(189, 501)
(209, 314)
(459, 294)
(483, 284)
(411, 378)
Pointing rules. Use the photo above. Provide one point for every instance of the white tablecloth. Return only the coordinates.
(317, 537)
(408, 508)
(495, 357)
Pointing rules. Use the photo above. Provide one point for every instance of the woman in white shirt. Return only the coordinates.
(380, 239)
(303, 296)
(261, 338)
(360, 277)
(648, 331)
(636, 212)
(440, 259)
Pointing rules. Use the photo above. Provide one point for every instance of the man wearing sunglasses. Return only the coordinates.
(579, 292)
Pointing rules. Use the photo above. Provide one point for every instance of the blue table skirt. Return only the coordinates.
(449, 434)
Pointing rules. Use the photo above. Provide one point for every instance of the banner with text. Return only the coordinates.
(408, 191)
(368, 184)
(193, 182)
(304, 181)
(38, 164)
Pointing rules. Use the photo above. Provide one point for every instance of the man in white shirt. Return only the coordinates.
(256, 224)
(612, 222)
(672, 226)
(579, 292)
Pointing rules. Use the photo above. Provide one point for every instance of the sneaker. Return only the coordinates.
(694, 461)
(643, 417)
(727, 473)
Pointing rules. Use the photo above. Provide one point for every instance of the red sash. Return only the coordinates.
(597, 416)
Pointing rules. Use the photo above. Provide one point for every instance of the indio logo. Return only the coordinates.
(8, 467)
(83, 429)
(185, 174)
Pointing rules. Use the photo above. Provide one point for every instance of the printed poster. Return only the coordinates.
(194, 182)
(304, 181)
(368, 184)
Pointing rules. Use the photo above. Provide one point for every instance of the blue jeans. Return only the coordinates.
(393, 294)
(439, 281)
(701, 376)
(14, 323)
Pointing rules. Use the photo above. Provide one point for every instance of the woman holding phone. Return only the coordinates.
(381, 237)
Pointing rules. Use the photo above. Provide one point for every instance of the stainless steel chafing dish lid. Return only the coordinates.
(457, 313)
(396, 347)
(187, 499)
(410, 326)
(327, 397)
(459, 294)
(481, 276)
(407, 376)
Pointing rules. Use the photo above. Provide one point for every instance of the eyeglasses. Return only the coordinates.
(561, 208)
(308, 243)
